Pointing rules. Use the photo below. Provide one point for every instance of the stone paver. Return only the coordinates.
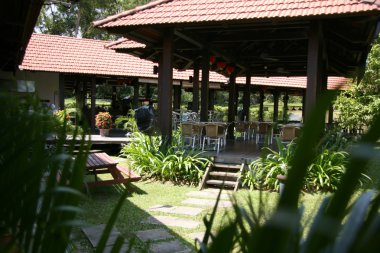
(185, 210)
(171, 221)
(206, 202)
(123, 248)
(153, 235)
(94, 233)
(207, 194)
(169, 247)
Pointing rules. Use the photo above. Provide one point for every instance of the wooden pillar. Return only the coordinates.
(79, 92)
(331, 115)
(61, 102)
(113, 97)
(261, 108)
(246, 96)
(285, 110)
(303, 104)
(231, 105)
(211, 99)
(177, 97)
(314, 67)
(165, 80)
(93, 103)
(276, 96)
(195, 106)
(236, 104)
(136, 95)
(205, 65)
(148, 91)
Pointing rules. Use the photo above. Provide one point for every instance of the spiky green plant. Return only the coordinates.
(339, 225)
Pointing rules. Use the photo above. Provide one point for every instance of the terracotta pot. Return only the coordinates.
(104, 132)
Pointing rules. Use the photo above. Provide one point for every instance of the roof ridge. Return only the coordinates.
(113, 43)
(69, 37)
(129, 12)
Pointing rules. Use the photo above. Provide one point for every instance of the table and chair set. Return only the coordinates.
(198, 134)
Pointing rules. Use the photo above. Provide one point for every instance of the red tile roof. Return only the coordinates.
(52, 53)
(190, 11)
(124, 44)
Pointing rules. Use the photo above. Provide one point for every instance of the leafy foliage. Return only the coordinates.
(263, 171)
(144, 154)
(323, 174)
(358, 105)
(339, 225)
(76, 19)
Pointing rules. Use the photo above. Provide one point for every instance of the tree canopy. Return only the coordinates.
(74, 19)
(358, 105)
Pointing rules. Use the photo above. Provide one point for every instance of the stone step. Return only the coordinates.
(153, 235)
(208, 194)
(169, 247)
(224, 174)
(94, 233)
(184, 210)
(221, 182)
(206, 202)
(171, 221)
(227, 166)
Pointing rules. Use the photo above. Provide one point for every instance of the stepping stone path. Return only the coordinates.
(160, 239)
(172, 221)
(94, 233)
(153, 235)
(207, 202)
(185, 210)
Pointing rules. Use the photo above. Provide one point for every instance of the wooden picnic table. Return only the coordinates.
(101, 163)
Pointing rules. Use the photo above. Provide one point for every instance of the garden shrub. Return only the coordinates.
(120, 121)
(323, 174)
(179, 166)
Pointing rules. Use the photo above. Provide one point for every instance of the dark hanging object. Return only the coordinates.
(144, 117)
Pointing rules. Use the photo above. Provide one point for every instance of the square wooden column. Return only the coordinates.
(314, 67)
(205, 65)
(246, 96)
(285, 99)
(231, 105)
(136, 94)
(61, 102)
(177, 97)
(165, 80)
(195, 105)
(261, 107)
(276, 96)
(211, 99)
(93, 103)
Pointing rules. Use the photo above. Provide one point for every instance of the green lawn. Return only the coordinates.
(100, 202)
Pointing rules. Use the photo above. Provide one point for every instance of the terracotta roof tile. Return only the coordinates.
(52, 53)
(184, 11)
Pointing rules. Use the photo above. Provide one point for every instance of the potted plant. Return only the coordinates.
(104, 123)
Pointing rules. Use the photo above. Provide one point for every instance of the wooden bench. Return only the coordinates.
(101, 163)
(133, 176)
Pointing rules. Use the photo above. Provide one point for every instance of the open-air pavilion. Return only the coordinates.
(81, 64)
(243, 38)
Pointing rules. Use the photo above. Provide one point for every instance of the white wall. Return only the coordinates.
(46, 83)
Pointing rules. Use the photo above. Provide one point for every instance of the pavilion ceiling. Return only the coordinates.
(277, 47)
(17, 20)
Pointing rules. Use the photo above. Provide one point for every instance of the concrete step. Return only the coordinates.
(227, 166)
(221, 182)
(223, 174)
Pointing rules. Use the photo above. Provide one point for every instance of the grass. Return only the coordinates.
(101, 201)
(99, 102)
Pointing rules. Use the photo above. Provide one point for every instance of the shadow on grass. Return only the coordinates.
(101, 202)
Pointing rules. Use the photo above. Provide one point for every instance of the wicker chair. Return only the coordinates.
(289, 133)
(216, 133)
(242, 128)
(264, 131)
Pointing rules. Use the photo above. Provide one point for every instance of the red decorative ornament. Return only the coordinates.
(212, 60)
(230, 69)
(221, 65)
